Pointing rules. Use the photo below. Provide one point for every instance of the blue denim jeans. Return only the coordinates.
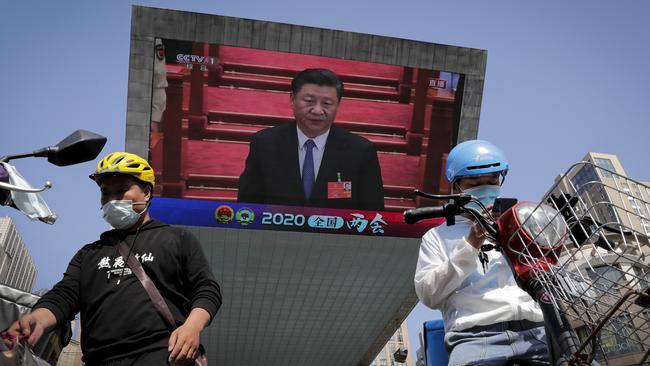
(515, 342)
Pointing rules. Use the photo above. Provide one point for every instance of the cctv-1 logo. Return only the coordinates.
(282, 219)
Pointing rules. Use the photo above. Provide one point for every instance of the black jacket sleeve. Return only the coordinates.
(63, 299)
(204, 290)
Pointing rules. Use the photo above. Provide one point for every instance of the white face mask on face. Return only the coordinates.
(485, 193)
(120, 214)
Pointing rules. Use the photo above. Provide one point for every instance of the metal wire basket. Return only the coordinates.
(591, 253)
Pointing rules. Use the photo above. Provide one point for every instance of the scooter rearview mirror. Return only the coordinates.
(78, 147)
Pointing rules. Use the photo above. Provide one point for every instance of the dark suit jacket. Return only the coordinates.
(272, 173)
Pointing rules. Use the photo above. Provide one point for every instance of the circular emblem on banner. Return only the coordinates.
(224, 214)
(245, 216)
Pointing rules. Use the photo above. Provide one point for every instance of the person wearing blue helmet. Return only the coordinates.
(488, 319)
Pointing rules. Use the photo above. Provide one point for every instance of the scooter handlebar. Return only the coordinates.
(416, 214)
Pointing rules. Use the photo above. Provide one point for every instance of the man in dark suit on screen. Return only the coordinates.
(311, 162)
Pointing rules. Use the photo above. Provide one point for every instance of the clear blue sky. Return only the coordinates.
(563, 78)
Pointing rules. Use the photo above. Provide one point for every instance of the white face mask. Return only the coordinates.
(31, 204)
(120, 214)
(486, 194)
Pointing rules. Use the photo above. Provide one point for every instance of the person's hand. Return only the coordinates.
(476, 235)
(184, 343)
(495, 215)
(27, 326)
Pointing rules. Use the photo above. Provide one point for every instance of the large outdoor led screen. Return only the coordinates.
(209, 101)
(202, 87)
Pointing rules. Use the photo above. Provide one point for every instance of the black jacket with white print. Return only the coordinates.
(117, 317)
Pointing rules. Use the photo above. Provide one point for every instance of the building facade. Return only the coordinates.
(607, 256)
(399, 341)
(16, 266)
(604, 181)
(71, 353)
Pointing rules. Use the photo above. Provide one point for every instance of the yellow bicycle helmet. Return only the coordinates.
(120, 162)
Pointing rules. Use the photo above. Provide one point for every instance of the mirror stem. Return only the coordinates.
(38, 153)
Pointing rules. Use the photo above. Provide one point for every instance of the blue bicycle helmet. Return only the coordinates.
(475, 157)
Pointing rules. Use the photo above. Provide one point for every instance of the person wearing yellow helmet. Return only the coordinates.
(124, 163)
(126, 182)
(119, 324)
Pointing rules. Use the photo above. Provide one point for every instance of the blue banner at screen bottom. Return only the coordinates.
(233, 215)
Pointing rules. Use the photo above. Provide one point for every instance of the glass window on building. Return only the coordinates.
(382, 356)
(583, 332)
(635, 206)
(646, 227)
(383, 362)
(585, 175)
(643, 277)
(626, 188)
(591, 190)
(616, 339)
(606, 277)
(641, 192)
(619, 337)
(605, 164)
(641, 207)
